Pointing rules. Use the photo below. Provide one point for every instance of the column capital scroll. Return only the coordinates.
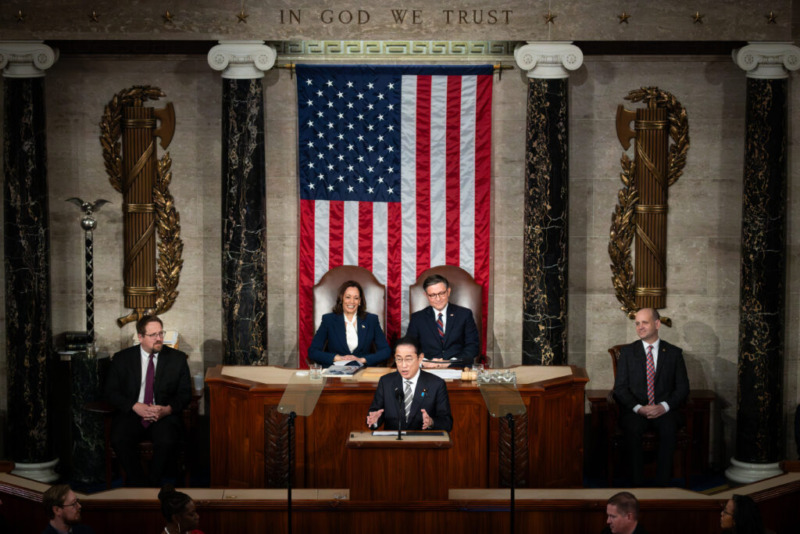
(767, 60)
(548, 59)
(26, 59)
(242, 60)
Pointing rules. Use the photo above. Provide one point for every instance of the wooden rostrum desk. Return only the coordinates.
(249, 447)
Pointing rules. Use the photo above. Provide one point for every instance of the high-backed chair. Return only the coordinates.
(683, 441)
(465, 292)
(326, 291)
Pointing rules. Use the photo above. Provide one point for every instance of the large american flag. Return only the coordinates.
(395, 176)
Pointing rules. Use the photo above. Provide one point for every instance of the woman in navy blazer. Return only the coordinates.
(331, 344)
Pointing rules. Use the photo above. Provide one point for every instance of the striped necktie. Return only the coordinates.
(440, 325)
(651, 376)
(149, 380)
(409, 397)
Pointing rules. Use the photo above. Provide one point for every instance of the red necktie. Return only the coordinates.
(149, 380)
(651, 376)
(440, 325)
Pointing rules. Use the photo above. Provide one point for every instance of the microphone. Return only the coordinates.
(399, 396)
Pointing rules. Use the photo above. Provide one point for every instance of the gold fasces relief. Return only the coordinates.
(642, 202)
(129, 128)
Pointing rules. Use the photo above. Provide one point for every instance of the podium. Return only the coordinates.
(385, 469)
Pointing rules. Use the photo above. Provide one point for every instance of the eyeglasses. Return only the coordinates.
(433, 296)
(405, 361)
(77, 502)
(155, 334)
(724, 511)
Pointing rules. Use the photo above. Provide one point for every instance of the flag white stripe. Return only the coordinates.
(350, 237)
(469, 86)
(380, 240)
(321, 226)
(438, 198)
(408, 188)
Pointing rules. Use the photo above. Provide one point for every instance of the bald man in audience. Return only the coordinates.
(651, 386)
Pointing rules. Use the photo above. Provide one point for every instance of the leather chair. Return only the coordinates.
(465, 292)
(683, 442)
(326, 291)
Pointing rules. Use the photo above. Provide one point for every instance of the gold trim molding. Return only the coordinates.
(473, 50)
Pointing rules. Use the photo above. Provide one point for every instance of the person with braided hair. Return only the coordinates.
(180, 512)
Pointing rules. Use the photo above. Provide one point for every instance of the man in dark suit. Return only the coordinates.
(622, 515)
(651, 386)
(149, 386)
(412, 397)
(445, 331)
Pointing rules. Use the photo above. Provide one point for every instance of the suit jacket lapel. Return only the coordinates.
(662, 360)
(361, 330)
(136, 372)
(422, 385)
(341, 334)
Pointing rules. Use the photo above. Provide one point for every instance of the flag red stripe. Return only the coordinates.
(305, 279)
(453, 169)
(423, 174)
(365, 235)
(336, 234)
(483, 173)
(394, 289)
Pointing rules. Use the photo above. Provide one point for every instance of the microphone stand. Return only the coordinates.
(510, 419)
(400, 397)
(290, 433)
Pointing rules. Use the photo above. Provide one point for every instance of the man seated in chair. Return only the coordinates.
(411, 397)
(446, 331)
(650, 387)
(149, 386)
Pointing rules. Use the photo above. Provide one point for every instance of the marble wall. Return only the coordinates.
(703, 225)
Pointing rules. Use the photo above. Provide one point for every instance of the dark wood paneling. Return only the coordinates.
(549, 448)
(691, 516)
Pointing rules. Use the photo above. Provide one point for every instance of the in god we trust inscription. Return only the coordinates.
(360, 17)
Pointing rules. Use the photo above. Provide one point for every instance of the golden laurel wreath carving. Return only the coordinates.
(170, 245)
(623, 225)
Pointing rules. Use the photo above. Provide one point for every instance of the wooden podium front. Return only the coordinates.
(383, 468)
(249, 447)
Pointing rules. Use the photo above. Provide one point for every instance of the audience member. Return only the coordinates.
(622, 515)
(180, 512)
(64, 510)
(741, 516)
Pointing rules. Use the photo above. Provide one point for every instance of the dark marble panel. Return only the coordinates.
(544, 307)
(27, 268)
(88, 442)
(244, 260)
(759, 415)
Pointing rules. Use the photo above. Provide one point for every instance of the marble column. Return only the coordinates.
(544, 299)
(26, 229)
(244, 216)
(759, 412)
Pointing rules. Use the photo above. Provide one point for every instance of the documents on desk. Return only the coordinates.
(412, 433)
(446, 374)
(338, 370)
